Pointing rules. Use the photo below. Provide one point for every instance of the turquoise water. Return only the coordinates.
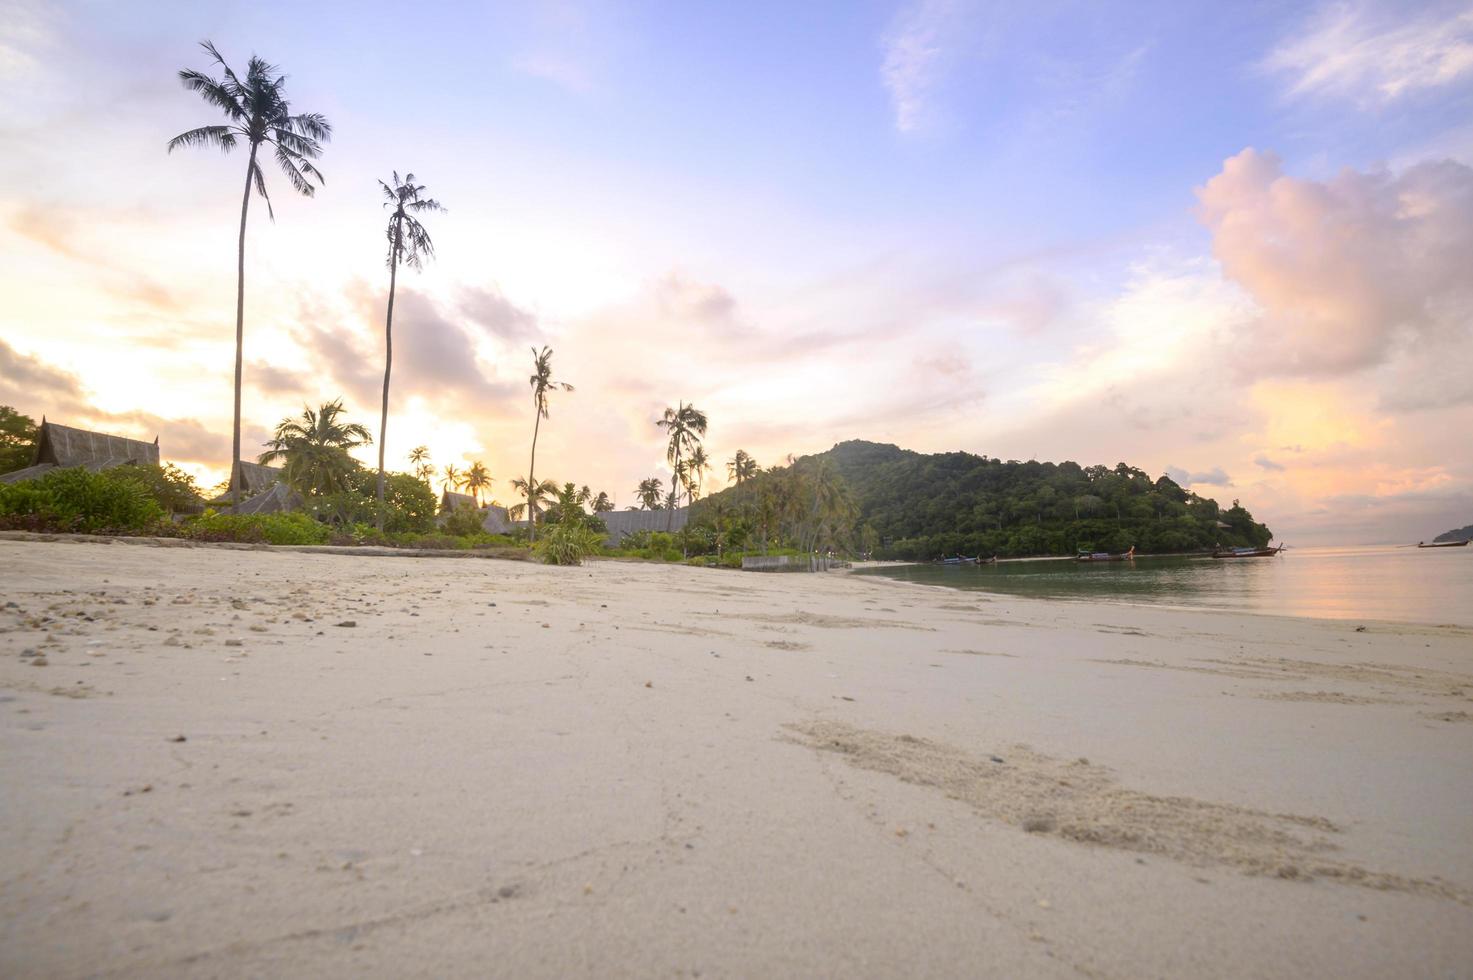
(1401, 584)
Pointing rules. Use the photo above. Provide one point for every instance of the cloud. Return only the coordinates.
(59, 231)
(1347, 271)
(496, 314)
(915, 59)
(182, 440)
(1268, 464)
(686, 300)
(32, 386)
(274, 380)
(1214, 477)
(1375, 56)
(434, 358)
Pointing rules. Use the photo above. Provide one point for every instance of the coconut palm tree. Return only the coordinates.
(649, 491)
(696, 469)
(410, 244)
(453, 476)
(257, 112)
(684, 427)
(419, 457)
(542, 384)
(535, 498)
(315, 448)
(477, 478)
(602, 503)
(742, 467)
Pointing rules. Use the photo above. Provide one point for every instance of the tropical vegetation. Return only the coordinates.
(543, 385)
(410, 244)
(257, 112)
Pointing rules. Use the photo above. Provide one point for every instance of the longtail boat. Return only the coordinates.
(1106, 556)
(958, 560)
(1442, 544)
(1247, 552)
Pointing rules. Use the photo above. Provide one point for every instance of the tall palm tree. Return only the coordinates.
(649, 491)
(453, 476)
(602, 503)
(684, 426)
(696, 469)
(542, 384)
(315, 447)
(742, 467)
(409, 243)
(535, 498)
(257, 112)
(477, 478)
(420, 457)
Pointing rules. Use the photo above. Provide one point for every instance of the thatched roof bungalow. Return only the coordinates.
(62, 447)
(498, 521)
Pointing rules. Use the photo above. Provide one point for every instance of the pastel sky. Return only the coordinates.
(1229, 242)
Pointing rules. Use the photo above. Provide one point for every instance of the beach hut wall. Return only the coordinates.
(622, 523)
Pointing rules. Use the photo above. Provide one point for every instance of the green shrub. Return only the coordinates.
(259, 529)
(78, 500)
(171, 488)
(568, 543)
(463, 521)
(409, 504)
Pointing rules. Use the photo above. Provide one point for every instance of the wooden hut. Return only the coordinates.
(63, 447)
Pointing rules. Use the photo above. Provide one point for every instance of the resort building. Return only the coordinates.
(62, 447)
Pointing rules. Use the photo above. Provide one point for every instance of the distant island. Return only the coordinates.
(1461, 534)
(916, 506)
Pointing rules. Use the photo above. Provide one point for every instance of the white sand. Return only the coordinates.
(661, 771)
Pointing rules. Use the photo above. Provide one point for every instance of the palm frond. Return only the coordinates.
(258, 178)
(212, 91)
(299, 183)
(220, 136)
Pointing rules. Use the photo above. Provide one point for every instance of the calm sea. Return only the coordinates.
(1402, 584)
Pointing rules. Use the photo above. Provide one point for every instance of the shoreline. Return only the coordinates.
(632, 768)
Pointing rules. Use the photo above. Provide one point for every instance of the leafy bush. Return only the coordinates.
(409, 503)
(568, 543)
(463, 520)
(173, 489)
(259, 529)
(78, 500)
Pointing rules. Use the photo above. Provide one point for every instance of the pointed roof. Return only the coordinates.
(256, 477)
(63, 445)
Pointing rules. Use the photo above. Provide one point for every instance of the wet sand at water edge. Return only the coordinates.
(233, 763)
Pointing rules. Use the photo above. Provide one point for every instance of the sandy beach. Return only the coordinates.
(249, 762)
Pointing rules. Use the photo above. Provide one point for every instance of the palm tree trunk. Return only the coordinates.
(383, 428)
(532, 482)
(674, 496)
(245, 203)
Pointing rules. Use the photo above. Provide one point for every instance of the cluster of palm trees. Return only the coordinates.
(259, 115)
(259, 118)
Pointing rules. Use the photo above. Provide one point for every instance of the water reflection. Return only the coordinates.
(1389, 582)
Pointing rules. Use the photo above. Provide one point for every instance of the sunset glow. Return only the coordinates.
(1199, 242)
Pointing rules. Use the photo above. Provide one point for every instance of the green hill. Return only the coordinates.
(915, 506)
(1460, 534)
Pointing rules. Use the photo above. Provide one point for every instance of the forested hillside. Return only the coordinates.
(1459, 534)
(909, 505)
